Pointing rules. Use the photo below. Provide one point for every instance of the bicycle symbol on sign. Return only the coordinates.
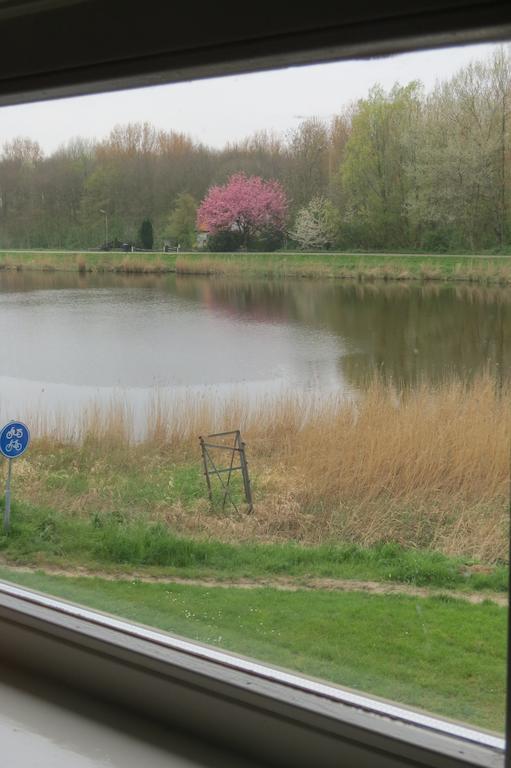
(13, 445)
(14, 439)
(13, 432)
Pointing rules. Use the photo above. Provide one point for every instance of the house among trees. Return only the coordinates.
(202, 236)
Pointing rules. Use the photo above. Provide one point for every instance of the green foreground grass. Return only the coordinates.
(439, 654)
(363, 266)
(41, 536)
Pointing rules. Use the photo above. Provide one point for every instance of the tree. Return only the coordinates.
(248, 205)
(307, 174)
(316, 224)
(146, 235)
(376, 174)
(404, 169)
(464, 174)
(181, 223)
(20, 203)
(224, 241)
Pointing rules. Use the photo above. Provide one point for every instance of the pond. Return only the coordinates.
(68, 339)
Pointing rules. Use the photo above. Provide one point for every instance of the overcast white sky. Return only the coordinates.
(225, 109)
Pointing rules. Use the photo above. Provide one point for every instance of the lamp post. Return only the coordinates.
(105, 214)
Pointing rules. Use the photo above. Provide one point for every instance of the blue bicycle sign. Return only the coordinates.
(14, 439)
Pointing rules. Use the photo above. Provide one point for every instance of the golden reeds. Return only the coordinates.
(427, 467)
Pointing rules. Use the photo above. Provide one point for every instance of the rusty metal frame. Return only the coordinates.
(211, 468)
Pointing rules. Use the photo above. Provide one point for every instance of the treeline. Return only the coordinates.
(398, 169)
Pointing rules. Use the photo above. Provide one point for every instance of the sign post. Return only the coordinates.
(14, 440)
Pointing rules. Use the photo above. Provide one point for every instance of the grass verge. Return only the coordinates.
(427, 468)
(40, 536)
(363, 267)
(359, 266)
(437, 654)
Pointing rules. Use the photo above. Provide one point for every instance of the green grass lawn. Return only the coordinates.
(438, 654)
(40, 535)
(384, 265)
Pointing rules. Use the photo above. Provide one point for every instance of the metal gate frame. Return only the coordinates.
(210, 467)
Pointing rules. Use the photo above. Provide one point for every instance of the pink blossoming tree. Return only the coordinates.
(247, 205)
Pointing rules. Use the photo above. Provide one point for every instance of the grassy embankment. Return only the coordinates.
(438, 654)
(424, 469)
(407, 487)
(370, 266)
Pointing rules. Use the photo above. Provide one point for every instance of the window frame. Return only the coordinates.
(138, 667)
(204, 690)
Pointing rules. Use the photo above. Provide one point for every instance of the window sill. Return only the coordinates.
(257, 710)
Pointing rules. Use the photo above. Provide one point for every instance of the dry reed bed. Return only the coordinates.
(128, 265)
(427, 467)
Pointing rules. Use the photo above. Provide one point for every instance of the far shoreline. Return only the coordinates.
(365, 267)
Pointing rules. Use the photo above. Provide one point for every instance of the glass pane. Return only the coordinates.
(315, 262)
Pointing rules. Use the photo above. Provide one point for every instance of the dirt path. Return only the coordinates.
(283, 583)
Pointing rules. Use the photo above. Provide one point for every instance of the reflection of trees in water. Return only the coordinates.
(259, 300)
(406, 332)
(426, 334)
(33, 280)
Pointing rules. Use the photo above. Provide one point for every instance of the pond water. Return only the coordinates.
(68, 338)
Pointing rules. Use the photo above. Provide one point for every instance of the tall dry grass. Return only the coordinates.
(427, 467)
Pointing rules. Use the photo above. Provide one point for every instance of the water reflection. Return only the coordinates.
(68, 337)
(407, 332)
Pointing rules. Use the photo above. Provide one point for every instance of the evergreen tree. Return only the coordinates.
(146, 235)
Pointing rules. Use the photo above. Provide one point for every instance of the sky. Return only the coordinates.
(227, 109)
